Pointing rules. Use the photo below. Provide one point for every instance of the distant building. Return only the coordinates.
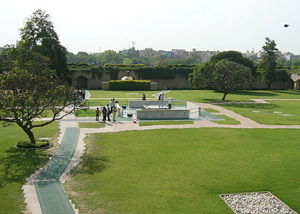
(180, 53)
(130, 52)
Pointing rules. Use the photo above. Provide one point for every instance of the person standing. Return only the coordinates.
(104, 114)
(112, 104)
(144, 97)
(114, 113)
(108, 112)
(97, 114)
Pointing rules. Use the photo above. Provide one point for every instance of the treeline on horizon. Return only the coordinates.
(111, 56)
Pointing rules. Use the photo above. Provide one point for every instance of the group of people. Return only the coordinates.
(111, 108)
(161, 97)
(81, 94)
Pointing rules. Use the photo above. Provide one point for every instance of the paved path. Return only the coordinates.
(43, 191)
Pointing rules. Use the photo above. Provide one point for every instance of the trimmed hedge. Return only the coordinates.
(87, 68)
(130, 85)
(142, 71)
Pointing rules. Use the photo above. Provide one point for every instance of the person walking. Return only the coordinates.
(104, 114)
(97, 114)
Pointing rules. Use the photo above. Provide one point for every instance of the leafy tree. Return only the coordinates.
(25, 96)
(111, 56)
(39, 38)
(127, 61)
(269, 62)
(234, 56)
(158, 60)
(223, 76)
(296, 62)
(201, 77)
(7, 58)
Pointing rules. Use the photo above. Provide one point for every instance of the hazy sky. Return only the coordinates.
(160, 24)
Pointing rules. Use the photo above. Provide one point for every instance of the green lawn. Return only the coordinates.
(121, 94)
(210, 110)
(16, 165)
(209, 96)
(184, 171)
(277, 112)
(105, 102)
(91, 125)
(86, 113)
(202, 95)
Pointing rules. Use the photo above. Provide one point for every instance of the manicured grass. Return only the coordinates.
(208, 96)
(227, 121)
(184, 171)
(121, 94)
(210, 110)
(91, 125)
(142, 123)
(277, 112)
(86, 113)
(16, 165)
(105, 102)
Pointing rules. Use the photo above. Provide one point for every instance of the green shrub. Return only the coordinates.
(129, 85)
(26, 144)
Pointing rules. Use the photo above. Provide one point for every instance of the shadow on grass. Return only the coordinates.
(17, 164)
(90, 165)
(255, 93)
(291, 92)
(213, 100)
(251, 105)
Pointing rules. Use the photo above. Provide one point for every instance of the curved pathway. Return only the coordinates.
(43, 190)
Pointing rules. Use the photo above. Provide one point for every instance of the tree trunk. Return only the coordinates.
(30, 135)
(224, 96)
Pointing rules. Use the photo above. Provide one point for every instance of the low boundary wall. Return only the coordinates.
(141, 103)
(148, 114)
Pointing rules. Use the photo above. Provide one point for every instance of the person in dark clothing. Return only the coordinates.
(144, 97)
(108, 112)
(104, 114)
(97, 114)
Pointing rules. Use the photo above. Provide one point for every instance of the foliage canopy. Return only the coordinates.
(25, 96)
(39, 39)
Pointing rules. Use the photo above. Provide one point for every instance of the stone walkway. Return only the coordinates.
(35, 202)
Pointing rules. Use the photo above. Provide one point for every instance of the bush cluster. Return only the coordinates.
(129, 85)
(26, 144)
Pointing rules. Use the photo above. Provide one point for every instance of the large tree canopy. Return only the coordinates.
(223, 76)
(39, 39)
(234, 56)
(25, 96)
(269, 63)
(7, 58)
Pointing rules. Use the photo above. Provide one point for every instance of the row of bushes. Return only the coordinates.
(158, 72)
(130, 85)
(142, 71)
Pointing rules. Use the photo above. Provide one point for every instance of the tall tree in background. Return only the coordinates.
(234, 56)
(40, 43)
(269, 63)
(7, 58)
